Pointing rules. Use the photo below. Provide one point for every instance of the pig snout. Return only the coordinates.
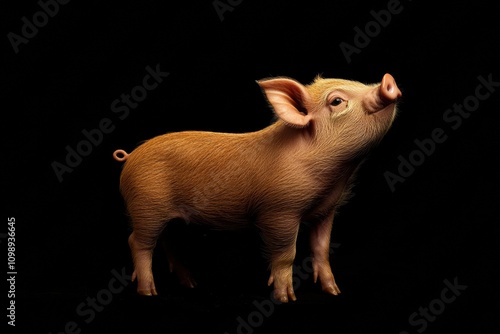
(388, 90)
(382, 95)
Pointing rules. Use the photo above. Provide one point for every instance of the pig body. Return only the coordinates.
(297, 169)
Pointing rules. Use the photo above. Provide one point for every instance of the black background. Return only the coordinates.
(394, 249)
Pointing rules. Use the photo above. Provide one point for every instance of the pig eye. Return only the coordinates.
(336, 101)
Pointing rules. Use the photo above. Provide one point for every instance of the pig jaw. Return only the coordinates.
(345, 140)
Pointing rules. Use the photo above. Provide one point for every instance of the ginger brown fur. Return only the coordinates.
(299, 168)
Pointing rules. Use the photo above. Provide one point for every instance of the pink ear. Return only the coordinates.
(287, 97)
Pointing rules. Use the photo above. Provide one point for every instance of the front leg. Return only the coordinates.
(320, 245)
(280, 236)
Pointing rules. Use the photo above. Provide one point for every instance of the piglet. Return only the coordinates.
(297, 169)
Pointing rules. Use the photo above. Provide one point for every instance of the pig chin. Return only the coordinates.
(385, 116)
(376, 125)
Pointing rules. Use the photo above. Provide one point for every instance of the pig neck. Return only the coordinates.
(323, 158)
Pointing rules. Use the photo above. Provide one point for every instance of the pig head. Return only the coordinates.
(297, 169)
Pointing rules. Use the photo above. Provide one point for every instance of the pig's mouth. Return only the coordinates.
(390, 110)
(392, 107)
(379, 106)
(385, 116)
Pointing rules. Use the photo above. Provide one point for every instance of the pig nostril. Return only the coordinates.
(390, 88)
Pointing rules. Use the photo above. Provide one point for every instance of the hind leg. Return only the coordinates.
(148, 223)
(183, 274)
(142, 255)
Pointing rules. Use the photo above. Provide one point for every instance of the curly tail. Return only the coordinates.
(120, 155)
